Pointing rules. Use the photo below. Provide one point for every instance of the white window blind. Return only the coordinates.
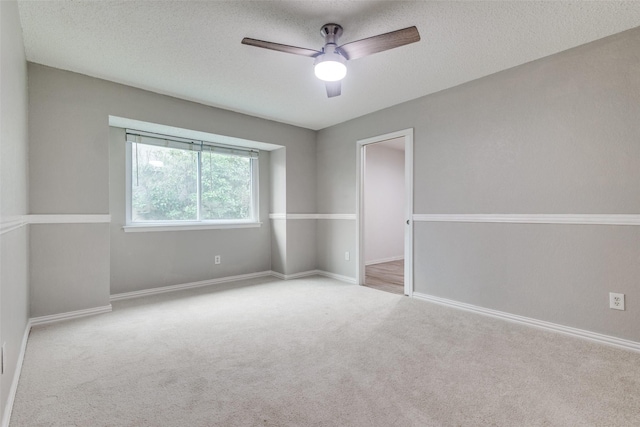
(187, 144)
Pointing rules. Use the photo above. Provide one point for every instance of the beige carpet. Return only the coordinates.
(316, 352)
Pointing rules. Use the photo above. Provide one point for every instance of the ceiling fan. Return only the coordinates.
(330, 62)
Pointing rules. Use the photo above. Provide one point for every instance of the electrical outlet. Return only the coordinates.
(616, 301)
(347, 256)
(217, 259)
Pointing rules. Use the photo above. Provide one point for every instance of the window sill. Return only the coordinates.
(187, 227)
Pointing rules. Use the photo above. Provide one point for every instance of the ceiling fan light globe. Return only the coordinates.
(330, 71)
(330, 67)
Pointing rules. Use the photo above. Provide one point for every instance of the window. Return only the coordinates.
(174, 181)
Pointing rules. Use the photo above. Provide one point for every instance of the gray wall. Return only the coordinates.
(278, 181)
(14, 245)
(301, 246)
(279, 246)
(69, 267)
(558, 135)
(293, 241)
(334, 238)
(70, 174)
(278, 205)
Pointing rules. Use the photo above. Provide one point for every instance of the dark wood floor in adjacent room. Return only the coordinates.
(386, 276)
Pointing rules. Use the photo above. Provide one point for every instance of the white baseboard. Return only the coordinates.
(382, 261)
(278, 275)
(554, 327)
(42, 320)
(6, 418)
(174, 288)
(335, 276)
(314, 273)
(294, 275)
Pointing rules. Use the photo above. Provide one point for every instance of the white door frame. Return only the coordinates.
(408, 205)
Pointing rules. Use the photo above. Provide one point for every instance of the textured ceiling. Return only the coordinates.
(192, 49)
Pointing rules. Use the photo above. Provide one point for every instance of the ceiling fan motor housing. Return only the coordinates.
(331, 33)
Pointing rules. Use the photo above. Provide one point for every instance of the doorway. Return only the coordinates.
(384, 212)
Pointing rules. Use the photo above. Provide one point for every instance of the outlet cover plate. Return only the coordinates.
(616, 301)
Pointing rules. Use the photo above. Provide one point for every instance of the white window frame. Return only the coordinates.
(144, 226)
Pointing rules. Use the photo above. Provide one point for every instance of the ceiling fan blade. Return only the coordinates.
(281, 47)
(333, 89)
(382, 42)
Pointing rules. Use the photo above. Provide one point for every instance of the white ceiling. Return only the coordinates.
(192, 49)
